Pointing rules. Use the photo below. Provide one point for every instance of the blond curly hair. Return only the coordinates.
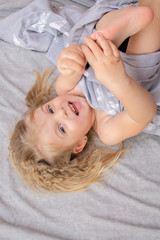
(64, 172)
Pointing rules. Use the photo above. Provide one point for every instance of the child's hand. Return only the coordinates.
(71, 60)
(105, 59)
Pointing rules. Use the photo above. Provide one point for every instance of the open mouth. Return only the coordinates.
(74, 108)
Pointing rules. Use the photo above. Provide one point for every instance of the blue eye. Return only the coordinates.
(50, 110)
(61, 128)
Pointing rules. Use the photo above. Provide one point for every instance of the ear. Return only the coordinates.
(80, 146)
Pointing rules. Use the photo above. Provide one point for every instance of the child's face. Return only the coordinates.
(63, 121)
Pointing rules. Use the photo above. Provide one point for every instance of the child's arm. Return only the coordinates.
(71, 65)
(139, 105)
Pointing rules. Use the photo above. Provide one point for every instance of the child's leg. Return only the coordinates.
(148, 39)
(120, 24)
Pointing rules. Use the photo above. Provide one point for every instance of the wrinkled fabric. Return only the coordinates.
(44, 28)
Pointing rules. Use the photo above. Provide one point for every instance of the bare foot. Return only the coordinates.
(120, 24)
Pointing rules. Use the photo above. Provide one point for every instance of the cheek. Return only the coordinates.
(75, 127)
(83, 126)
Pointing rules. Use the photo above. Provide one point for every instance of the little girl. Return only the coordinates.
(49, 145)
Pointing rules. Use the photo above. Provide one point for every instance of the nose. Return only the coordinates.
(61, 113)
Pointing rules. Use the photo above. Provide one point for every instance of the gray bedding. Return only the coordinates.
(124, 206)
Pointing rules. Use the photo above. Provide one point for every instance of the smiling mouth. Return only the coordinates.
(74, 108)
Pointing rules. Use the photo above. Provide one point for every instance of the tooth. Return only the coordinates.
(72, 107)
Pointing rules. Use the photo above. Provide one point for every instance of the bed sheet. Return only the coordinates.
(125, 206)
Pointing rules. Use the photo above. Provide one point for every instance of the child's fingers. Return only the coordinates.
(109, 48)
(104, 44)
(114, 49)
(93, 47)
(69, 64)
(89, 55)
(71, 60)
(75, 56)
(77, 52)
(93, 35)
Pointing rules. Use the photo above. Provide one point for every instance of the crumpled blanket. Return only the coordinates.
(42, 27)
